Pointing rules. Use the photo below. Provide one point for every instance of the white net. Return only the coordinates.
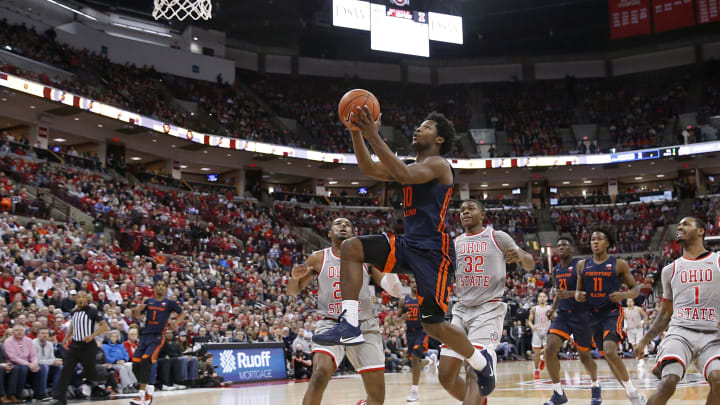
(182, 9)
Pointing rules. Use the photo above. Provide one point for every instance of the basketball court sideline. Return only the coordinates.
(515, 382)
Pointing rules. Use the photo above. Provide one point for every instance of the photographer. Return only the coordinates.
(301, 363)
(208, 376)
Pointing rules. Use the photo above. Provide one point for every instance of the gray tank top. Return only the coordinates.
(694, 286)
(329, 298)
(480, 269)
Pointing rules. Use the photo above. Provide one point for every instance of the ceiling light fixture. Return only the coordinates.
(89, 17)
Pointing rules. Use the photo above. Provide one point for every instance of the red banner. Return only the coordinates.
(629, 17)
(708, 11)
(672, 14)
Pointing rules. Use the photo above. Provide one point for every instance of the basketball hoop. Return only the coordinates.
(182, 9)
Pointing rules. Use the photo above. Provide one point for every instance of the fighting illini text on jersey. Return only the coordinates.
(567, 280)
(694, 285)
(599, 281)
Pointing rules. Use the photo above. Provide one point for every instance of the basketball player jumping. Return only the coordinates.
(417, 339)
(691, 306)
(635, 318)
(539, 323)
(599, 279)
(569, 317)
(479, 284)
(368, 358)
(424, 250)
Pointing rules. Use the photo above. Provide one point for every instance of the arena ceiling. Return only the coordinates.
(493, 28)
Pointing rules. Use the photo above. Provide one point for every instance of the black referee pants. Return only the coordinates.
(78, 352)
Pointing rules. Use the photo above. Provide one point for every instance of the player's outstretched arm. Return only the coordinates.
(370, 168)
(661, 323)
(579, 288)
(302, 274)
(417, 173)
(512, 252)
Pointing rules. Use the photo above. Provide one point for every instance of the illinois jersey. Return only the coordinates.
(566, 278)
(425, 209)
(329, 298)
(599, 281)
(157, 314)
(694, 286)
(411, 307)
(480, 270)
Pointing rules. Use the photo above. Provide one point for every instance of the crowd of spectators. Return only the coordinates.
(634, 225)
(636, 109)
(708, 209)
(531, 114)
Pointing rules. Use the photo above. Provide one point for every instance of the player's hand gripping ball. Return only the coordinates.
(353, 99)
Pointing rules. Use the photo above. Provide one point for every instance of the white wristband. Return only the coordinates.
(391, 283)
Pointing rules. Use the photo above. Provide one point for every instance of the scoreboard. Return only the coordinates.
(397, 30)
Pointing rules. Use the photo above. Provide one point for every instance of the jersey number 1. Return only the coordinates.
(697, 295)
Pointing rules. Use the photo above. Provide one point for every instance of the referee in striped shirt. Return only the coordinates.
(82, 349)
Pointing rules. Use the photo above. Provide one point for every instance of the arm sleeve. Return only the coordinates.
(667, 275)
(504, 241)
(93, 314)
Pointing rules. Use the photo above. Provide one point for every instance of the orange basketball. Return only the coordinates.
(354, 99)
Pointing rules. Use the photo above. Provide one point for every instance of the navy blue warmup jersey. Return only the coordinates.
(599, 281)
(566, 279)
(157, 314)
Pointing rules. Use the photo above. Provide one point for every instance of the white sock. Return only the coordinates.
(595, 383)
(351, 311)
(150, 389)
(558, 388)
(477, 360)
(629, 389)
(414, 388)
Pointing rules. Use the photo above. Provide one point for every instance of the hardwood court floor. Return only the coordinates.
(515, 386)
